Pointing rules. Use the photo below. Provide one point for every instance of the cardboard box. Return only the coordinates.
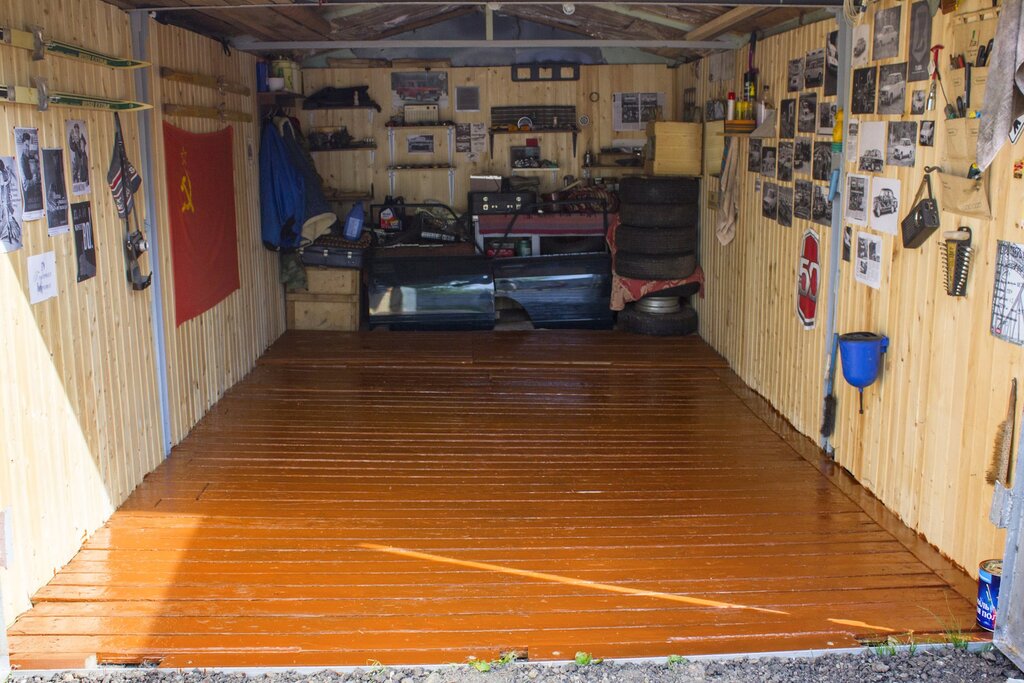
(673, 148)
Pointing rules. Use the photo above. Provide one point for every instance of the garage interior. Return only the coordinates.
(445, 449)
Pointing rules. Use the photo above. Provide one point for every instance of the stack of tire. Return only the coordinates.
(657, 240)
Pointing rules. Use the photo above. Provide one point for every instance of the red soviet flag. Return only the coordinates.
(201, 211)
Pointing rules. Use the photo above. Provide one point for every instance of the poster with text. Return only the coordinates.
(85, 245)
(868, 267)
(42, 277)
(30, 169)
(56, 192)
(1008, 293)
(858, 190)
(920, 41)
(78, 148)
(10, 206)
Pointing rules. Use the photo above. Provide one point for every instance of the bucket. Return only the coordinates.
(862, 354)
(290, 72)
(989, 574)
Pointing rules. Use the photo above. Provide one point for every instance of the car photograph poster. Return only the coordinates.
(902, 143)
(864, 82)
(887, 34)
(872, 142)
(892, 88)
(858, 190)
(885, 205)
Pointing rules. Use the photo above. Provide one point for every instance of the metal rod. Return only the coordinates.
(281, 45)
(140, 44)
(483, 3)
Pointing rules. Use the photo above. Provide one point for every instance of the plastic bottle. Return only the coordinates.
(730, 111)
(354, 223)
(837, 132)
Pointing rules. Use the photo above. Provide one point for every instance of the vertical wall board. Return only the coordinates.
(749, 310)
(208, 354)
(925, 439)
(80, 417)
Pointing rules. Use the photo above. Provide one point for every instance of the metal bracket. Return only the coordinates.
(38, 46)
(546, 71)
(43, 91)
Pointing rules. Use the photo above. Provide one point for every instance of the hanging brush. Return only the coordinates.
(999, 468)
(828, 416)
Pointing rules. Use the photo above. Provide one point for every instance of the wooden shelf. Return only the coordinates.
(356, 148)
(539, 131)
(421, 168)
(415, 126)
(540, 169)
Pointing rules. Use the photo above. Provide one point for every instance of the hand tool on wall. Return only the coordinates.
(956, 260)
(998, 473)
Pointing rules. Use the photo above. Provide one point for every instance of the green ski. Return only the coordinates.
(33, 40)
(42, 99)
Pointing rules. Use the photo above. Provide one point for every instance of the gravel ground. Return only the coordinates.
(934, 666)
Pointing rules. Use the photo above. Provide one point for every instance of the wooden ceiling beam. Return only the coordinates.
(723, 22)
(428, 21)
(649, 17)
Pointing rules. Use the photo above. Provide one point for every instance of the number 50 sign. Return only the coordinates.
(808, 280)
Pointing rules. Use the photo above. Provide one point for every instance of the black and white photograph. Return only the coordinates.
(822, 160)
(857, 193)
(872, 144)
(920, 42)
(863, 100)
(768, 158)
(56, 192)
(754, 156)
(420, 144)
(927, 135)
(861, 38)
(917, 102)
(78, 149)
(821, 208)
(832, 63)
(30, 169)
(785, 206)
(419, 87)
(885, 205)
(85, 247)
(802, 190)
(770, 201)
(847, 242)
(887, 34)
(852, 137)
(10, 207)
(785, 165)
(802, 151)
(892, 88)
(814, 68)
(787, 119)
(901, 149)
(826, 117)
(868, 268)
(807, 112)
(795, 75)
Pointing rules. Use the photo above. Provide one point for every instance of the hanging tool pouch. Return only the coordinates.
(923, 218)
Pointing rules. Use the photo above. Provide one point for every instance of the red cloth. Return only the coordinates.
(627, 289)
(201, 213)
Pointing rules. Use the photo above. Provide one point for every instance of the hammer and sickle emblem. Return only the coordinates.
(186, 189)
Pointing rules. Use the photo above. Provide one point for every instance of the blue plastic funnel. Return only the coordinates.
(861, 353)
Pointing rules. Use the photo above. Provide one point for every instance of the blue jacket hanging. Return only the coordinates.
(282, 193)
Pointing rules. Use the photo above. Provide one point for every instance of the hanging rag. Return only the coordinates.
(1004, 93)
(282, 193)
(728, 195)
(319, 217)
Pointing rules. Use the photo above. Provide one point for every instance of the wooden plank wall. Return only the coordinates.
(211, 352)
(80, 421)
(84, 423)
(749, 312)
(925, 439)
(359, 170)
(924, 442)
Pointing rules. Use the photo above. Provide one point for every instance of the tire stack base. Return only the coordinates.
(657, 240)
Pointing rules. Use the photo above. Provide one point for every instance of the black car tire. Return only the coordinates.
(684, 291)
(648, 267)
(659, 215)
(656, 241)
(676, 324)
(637, 190)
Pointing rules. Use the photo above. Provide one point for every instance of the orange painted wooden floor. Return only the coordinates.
(418, 498)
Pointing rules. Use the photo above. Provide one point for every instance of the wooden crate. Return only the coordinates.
(333, 280)
(673, 148)
(307, 311)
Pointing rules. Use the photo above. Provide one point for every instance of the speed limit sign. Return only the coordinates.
(808, 280)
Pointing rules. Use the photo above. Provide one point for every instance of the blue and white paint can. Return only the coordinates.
(989, 574)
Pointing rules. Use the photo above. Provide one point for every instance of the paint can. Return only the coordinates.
(989, 574)
(290, 72)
